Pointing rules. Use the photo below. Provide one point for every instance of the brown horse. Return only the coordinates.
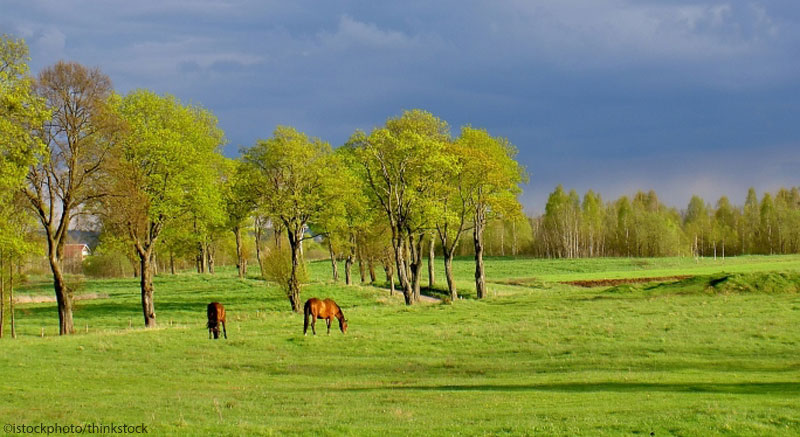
(216, 316)
(322, 309)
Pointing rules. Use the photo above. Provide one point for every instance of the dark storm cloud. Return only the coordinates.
(679, 96)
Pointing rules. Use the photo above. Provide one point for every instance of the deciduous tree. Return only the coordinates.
(493, 188)
(166, 168)
(78, 137)
(398, 161)
(292, 174)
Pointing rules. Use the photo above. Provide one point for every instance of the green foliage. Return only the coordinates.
(493, 175)
(278, 267)
(107, 265)
(21, 113)
(402, 163)
(239, 193)
(645, 227)
(170, 156)
(166, 173)
(290, 172)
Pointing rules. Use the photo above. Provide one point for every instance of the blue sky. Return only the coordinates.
(683, 97)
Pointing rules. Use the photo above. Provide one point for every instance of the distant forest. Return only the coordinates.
(577, 227)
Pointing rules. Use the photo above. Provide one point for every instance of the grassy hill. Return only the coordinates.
(537, 357)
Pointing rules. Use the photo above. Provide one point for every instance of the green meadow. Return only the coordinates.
(714, 352)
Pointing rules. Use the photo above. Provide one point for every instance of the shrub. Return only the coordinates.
(278, 266)
(106, 265)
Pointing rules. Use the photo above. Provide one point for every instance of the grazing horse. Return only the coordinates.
(216, 316)
(322, 309)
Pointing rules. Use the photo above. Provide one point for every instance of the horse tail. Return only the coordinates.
(212, 316)
(306, 313)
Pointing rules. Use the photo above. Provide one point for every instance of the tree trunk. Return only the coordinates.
(361, 269)
(146, 284)
(387, 267)
(431, 256)
(241, 261)
(514, 247)
(210, 257)
(371, 268)
(201, 258)
(348, 269)
(63, 299)
(295, 236)
(257, 229)
(477, 236)
(398, 243)
(503, 240)
(416, 264)
(409, 259)
(11, 300)
(334, 265)
(300, 246)
(172, 262)
(448, 273)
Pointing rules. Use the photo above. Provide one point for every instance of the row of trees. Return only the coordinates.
(147, 170)
(380, 195)
(572, 227)
(73, 150)
(22, 111)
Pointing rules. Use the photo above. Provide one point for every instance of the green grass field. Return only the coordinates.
(536, 358)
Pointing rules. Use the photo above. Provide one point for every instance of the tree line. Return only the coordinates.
(147, 171)
(575, 227)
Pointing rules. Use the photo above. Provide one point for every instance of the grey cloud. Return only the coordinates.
(592, 92)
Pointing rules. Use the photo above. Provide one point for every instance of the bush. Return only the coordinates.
(107, 265)
(278, 266)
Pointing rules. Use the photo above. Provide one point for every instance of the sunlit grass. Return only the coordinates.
(545, 358)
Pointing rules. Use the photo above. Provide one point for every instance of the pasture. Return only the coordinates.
(537, 357)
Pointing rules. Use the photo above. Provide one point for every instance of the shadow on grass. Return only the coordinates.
(442, 294)
(754, 388)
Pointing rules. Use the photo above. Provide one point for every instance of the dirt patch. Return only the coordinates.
(43, 299)
(613, 282)
(429, 299)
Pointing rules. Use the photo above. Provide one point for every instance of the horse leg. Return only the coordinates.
(328, 321)
(305, 323)
(314, 324)
(224, 331)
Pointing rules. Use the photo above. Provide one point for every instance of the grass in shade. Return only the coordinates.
(714, 353)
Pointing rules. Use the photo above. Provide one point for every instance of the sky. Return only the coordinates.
(681, 97)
